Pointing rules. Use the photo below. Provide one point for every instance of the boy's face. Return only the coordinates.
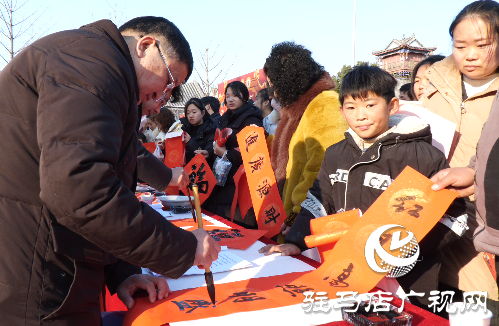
(368, 117)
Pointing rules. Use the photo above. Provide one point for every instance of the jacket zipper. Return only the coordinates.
(356, 164)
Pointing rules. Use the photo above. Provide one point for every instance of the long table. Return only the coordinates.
(421, 317)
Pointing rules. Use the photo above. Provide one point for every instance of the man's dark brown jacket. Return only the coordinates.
(69, 148)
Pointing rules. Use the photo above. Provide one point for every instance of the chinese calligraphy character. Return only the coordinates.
(347, 299)
(245, 297)
(218, 234)
(400, 207)
(294, 288)
(250, 140)
(340, 280)
(264, 189)
(192, 304)
(257, 164)
(271, 215)
(202, 185)
(404, 296)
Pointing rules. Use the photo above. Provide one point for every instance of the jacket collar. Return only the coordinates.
(206, 127)
(273, 117)
(402, 128)
(236, 118)
(107, 30)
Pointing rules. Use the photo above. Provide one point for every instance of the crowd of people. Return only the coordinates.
(72, 223)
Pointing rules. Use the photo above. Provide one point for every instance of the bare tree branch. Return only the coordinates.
(205, 60)
(20, 27)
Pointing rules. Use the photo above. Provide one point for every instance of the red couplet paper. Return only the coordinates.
(332, 223)
(191, 304)
(199, 170)
(174, 150)
(408, 201)
(242, 194)
(265, 197)
(151, 147)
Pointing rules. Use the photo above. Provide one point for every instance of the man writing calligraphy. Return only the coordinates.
(70, 161)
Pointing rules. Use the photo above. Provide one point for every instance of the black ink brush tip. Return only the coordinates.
(208, 276)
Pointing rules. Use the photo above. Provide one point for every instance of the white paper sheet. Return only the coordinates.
(227, 261)
(262, 266)
(442, 130)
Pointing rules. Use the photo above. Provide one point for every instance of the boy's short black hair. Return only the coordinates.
(365, 79)
(213, 102)
(407, 88)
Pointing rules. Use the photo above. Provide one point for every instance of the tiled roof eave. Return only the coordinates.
(378, 53)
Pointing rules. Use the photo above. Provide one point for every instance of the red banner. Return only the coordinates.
(265, 197)
(255, 81)
(242, 195)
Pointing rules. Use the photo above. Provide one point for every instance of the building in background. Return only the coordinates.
(400, 57)
(255, 81)
(189, 90)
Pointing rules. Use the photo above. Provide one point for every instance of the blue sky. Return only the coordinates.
(249, 29)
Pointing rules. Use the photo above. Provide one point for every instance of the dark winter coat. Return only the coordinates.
(69, 147)
(202, 139)
(248, 114)
(215, 117)
(359, 178)
(486, 185)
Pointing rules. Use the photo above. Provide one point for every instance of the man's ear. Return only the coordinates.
(393, 106)
(266, 103)
(143, 44)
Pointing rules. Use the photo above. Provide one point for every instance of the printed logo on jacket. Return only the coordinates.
(377, 181)
(372, 180)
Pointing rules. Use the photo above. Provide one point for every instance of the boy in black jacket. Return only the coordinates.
(378, 145)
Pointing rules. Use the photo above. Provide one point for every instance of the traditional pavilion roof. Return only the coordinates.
(410, 43)
(189, 90)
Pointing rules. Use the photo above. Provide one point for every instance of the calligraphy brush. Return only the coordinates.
(208, 275)
(192, 206)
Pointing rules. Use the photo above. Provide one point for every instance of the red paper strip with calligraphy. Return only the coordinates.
(267, 202)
